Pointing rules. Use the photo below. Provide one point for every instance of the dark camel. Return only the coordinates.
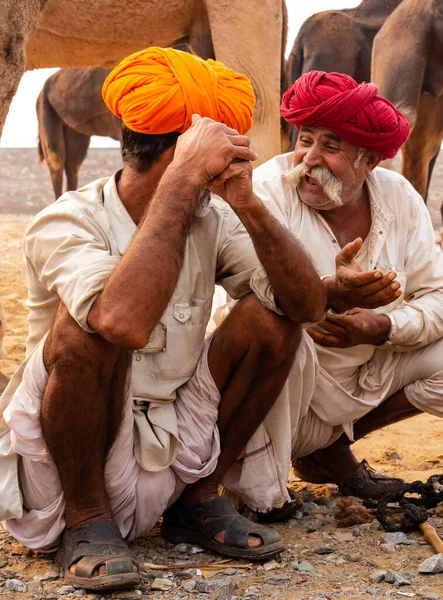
(337, 40)
(70, 109)
(407, 66)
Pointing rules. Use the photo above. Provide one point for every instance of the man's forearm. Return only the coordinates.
(294, 280)
(138, 291)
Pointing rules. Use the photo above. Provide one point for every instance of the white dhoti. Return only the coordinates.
(139, 497)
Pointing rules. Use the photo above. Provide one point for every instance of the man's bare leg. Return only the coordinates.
(338, 459)
(81, 412)
(250, 357)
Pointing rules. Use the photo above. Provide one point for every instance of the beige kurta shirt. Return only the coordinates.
(71, 249)
(354, 380)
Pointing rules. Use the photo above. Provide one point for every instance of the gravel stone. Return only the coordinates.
(277, 579)
(182, 548)
(270, 565)
(65, 589)
(189, 586)
(377, 576)
(15, 585)
(388, 548)
(195, 550)
(397, 537)
(162, 585)
(434, 564)
(303, 565)
(324, 550)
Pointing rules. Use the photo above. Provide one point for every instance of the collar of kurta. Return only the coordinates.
(123, 227)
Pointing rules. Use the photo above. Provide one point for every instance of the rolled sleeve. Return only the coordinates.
(261, 287)
(71, 256)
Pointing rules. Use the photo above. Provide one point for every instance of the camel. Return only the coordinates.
(70, 109)
(337, 40)
(78, 33)
(407, 66)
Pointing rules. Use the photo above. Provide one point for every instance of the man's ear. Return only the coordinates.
(373, 158)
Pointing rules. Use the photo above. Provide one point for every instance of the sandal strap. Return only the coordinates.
(224, 517)
(114, 566)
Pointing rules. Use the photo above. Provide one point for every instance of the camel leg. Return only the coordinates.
(423, 143)
(76, 145)
(52, 141)
(18, 20)
(250, 42)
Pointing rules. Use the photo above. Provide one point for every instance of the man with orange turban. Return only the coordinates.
(122, 404)
(380, 351)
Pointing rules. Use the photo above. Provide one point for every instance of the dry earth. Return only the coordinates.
(413, 450)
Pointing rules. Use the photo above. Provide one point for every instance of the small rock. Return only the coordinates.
(429, 596)
(129, 595)
(50, 575)
(324, 550)
(377, 576)
(230, 571)
(354, 557)
(9, 573)
(397, 537)
(277, 579)
(80, 593)
(298, 515)
(390, 577)
(303, 565)
(189, 586)
(65, 589)
(195, 550)
(310, 508)
(220, 588)
(388, 548)
(401, 580)
(344, 536)
(356, 531)
(15, 585)
(313, 526)
(162, 585)
(272, 564)
(434, 564)
(182, 548)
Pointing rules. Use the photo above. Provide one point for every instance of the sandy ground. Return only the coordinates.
(413, 449)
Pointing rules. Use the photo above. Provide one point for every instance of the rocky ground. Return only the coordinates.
(322, 560)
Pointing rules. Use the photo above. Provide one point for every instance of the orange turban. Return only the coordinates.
(157, 90)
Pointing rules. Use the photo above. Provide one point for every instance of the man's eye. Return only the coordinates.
(332, 148)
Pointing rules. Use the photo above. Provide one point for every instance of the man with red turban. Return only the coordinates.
(380, 351)
(122, 404)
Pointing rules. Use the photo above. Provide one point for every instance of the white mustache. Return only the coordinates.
(332, 186)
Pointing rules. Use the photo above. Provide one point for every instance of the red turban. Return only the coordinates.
(157, 90)
(353, 111)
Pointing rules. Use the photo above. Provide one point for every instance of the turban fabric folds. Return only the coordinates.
(353, 111)
(157, 90)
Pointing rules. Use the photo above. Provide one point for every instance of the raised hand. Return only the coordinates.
(357, 326)
(207, 148)
(352, 287)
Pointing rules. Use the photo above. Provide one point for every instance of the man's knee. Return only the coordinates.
(274, 336)
(70, 346)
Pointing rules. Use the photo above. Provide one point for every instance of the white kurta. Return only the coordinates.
(354, 380)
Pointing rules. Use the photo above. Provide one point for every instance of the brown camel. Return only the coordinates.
(70, 109)
(407, 66)
(337, 40)
(77, 33)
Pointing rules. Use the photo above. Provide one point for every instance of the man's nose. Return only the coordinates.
(313, 157)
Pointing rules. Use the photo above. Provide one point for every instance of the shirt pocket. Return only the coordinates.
(185, 333)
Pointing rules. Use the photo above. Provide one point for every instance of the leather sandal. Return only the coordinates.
(275, 515)
(200, 524)
(364, 482)
(89, 548)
